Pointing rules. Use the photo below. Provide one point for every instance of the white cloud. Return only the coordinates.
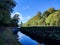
(20, 15)
(25, 7)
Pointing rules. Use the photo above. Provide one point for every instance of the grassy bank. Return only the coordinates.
(7, 37)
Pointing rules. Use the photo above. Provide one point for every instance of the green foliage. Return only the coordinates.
(6, 7)
(14, 20)
(7, 37)
(53, 19)
(51, 10)
(50, 17)
(48, 12)
(34, 21)
(45, 14)
(42, 22)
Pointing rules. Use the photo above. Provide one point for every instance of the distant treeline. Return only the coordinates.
(50, 17)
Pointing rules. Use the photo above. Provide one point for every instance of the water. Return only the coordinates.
(25, 40)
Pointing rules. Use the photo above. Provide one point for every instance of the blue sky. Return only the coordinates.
(29, 8)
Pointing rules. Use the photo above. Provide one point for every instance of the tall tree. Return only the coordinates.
(6, 7)
(15, 20)
(51, 10)
(46, 14)
(53, 19)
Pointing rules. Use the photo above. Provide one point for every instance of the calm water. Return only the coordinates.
(25, 40)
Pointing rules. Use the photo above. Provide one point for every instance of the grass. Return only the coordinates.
(8, 38)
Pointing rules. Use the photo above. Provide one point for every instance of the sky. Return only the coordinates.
(29, 8)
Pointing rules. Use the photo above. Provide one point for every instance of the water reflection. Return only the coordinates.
(25, 40)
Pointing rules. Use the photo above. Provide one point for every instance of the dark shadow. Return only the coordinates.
(47, 35)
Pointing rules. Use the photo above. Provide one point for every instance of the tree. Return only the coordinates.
(14, 20)
(51, 10)
(6, 7)
(21, 24)
(46, 14)
(53, 19)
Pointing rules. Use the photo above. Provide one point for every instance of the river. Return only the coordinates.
(26, 40)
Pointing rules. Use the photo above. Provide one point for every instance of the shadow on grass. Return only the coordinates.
(48, 35)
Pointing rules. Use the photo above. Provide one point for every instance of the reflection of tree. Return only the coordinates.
(48, 35)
